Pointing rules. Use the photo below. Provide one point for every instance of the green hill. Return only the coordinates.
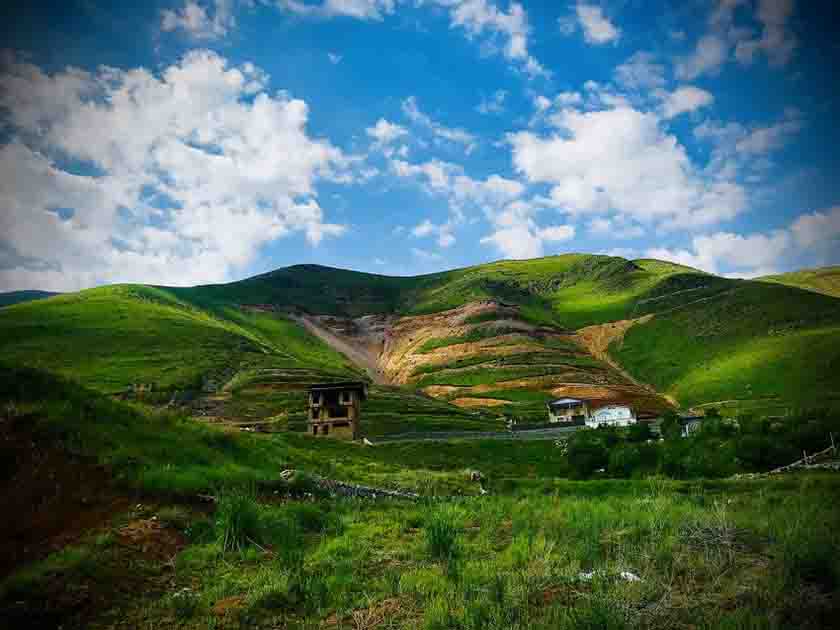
(822, 280)
(709, 339)
(17, 297)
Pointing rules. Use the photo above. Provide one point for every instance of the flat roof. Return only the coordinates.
(566, 401)
(339, 385)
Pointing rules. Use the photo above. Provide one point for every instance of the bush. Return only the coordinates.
(238, 520)
(442, 535)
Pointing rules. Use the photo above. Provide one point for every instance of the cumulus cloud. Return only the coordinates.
(200, 21)
(813, 238)
(620, 160)
(708, 56)
(454, 135)
(511, 28)
(597, 28)
(685, 99)
(359, 9)
(189, 173)
(385, 133)
(777, 41)
(640, 72)
(724, 35)
(818, 231)
(516, 233)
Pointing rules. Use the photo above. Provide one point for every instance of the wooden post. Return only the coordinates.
(833, 446)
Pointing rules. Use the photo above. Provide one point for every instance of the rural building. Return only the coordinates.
(612, 416)
(334, 409)
(689, 424)
(568, 411)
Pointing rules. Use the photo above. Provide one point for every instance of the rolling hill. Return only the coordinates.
(17, 297)
(486, 341)
(822, 280)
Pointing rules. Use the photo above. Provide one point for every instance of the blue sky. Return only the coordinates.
(196, 141)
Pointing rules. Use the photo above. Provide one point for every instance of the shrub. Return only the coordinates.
(238, 520)
(442, 535)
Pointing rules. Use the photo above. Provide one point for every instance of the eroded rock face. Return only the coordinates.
(394, 349)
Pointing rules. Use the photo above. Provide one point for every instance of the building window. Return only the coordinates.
(345, 398)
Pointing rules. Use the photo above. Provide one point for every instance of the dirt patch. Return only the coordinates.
(50, 498)
(151, 539)
(597, 339)
(480, 402)
(228, 605)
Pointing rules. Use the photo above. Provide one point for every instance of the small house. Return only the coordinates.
(334, 409)
(612, 416)
(689, 424)
(568, 411)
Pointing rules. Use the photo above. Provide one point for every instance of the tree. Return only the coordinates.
(586, 453)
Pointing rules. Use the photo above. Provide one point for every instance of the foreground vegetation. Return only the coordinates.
(538, 552)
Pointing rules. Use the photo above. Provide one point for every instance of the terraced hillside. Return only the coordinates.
(496, 339)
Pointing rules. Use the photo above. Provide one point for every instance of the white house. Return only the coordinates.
(568, 411)
(614, 415)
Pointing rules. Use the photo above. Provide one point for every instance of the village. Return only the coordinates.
(335, 412)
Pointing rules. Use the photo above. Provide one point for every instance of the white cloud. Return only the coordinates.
(762, 140)
(359, 9)
(640, 72)
(813, 237)
(721, 250)
(478, 17)
(195, 19)
(685, 99)
(776, 41)
(450, 134)
(442, 232)
(620, 160)
(190, 172)
(597, 29)
(493, 105)
(557, 233)
(384, 132)
(711, 52)
(425, 255)
(818, 231)
(517, 235)
(334, 58)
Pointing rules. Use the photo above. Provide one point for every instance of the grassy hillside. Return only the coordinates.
(823, 280)
(17, 297)
(710, 338)
(536, 552)
(113, 337)
(757, 342)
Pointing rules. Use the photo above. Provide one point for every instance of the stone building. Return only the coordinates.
(334, 409)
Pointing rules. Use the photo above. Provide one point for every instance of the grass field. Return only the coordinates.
(538, 552)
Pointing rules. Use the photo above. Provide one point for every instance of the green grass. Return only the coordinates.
(763, 341)
(711, 338)
(823, 280)
(476, 334)
(113, 337)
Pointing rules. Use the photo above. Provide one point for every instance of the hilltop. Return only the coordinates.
(822, 280)
(493, 340)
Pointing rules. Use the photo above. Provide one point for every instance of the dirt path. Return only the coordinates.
(358, 354)
(597, 340)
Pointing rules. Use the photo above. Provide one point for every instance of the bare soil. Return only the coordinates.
(51, 498)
